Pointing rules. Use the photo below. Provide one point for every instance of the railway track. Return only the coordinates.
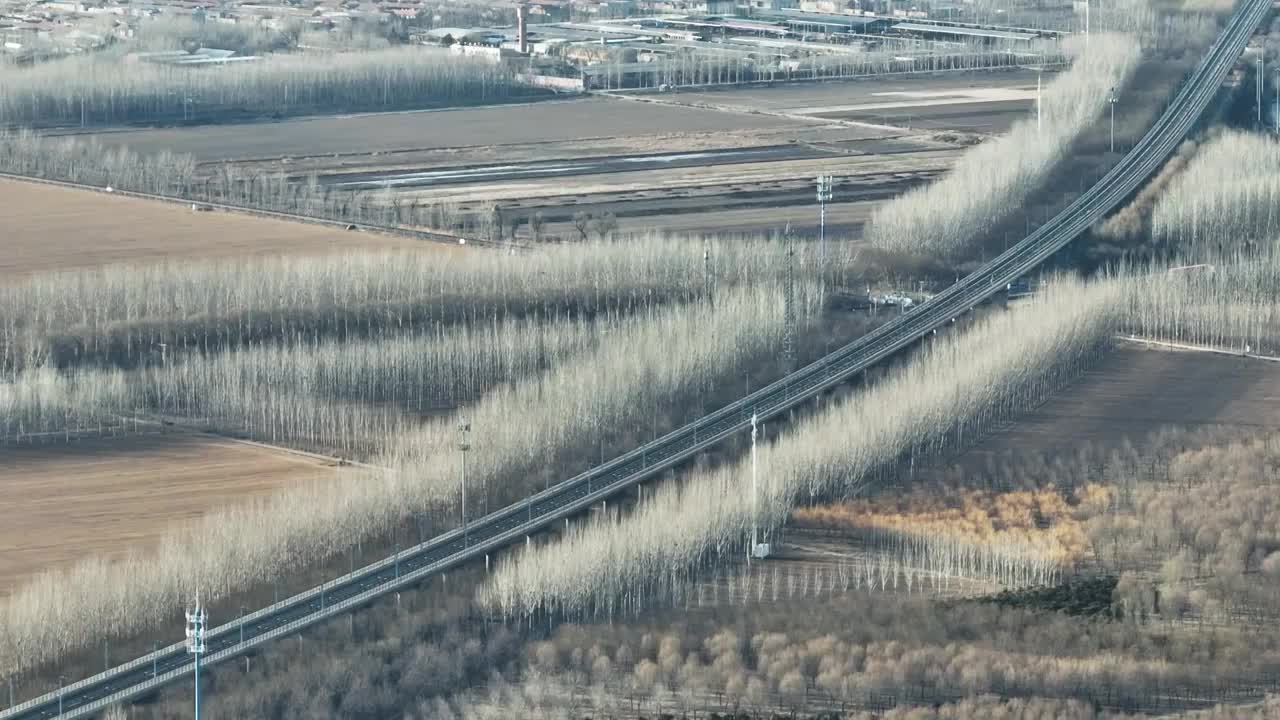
(573, 495)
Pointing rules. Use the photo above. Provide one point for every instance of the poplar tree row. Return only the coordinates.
(990, 181)
(91, 90)
(123, 314)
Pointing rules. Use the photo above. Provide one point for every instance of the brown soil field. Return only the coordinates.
(500, 152)
(68, 501)
(538, 122)
(844, 220)
(1133, 392)
(552, 190)
(733, 197)
(47, 227)
(1136, 391)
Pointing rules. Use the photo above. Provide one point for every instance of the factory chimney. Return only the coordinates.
(522, 28)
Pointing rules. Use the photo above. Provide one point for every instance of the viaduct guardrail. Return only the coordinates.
(569, 497)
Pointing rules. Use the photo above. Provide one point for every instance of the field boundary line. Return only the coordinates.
(473, 146)
(338, 461)
(430, 236)
(815, 121)
(193, 429)
(1196, 348)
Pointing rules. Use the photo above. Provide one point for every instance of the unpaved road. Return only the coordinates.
(985, 102)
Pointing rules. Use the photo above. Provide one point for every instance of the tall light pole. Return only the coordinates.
(1112, 102)
(464, 444)
(196, 620)
(788, 306)
(1275, 118)
(1262, 55)
(755, 495)
(706, 277)
(824, 195)
(1086, 24)
(1039, 104)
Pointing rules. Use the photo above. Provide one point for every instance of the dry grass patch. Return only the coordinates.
(110, 496)
(1042, 521)
(56, 228)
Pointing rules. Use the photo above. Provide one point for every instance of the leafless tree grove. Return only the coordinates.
(87, 90)
(946, 217)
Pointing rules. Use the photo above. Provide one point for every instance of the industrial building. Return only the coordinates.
(744, 44)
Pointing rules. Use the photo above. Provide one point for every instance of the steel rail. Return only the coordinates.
(574, 495)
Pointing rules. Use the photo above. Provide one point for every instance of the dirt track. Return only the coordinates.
(987, 102)
(105, 496)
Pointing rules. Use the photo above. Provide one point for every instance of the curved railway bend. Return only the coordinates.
(571, 496)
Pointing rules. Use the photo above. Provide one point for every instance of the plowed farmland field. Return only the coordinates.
(1136, 391)
(47, 227)
(67, 501)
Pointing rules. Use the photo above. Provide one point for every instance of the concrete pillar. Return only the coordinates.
(522, 28)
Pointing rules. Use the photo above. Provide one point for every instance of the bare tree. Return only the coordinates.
(99, 90)
(605, 225)
(495, 224)
(536, 222)
(483, 221)
(945, 217)
(582, 221)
